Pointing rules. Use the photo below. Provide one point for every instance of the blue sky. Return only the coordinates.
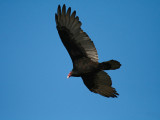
(34, 64)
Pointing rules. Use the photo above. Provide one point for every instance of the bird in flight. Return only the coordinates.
(84, 54)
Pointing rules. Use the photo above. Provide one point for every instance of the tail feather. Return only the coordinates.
(109, 65)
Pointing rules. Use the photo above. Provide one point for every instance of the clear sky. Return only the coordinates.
(34, 64)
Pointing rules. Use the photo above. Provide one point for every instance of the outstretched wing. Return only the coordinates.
(100, 83)
(77, 42)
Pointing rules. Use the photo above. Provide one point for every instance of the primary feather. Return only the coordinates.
(77, 42)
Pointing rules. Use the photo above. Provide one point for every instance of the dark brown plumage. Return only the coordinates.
(84, 54)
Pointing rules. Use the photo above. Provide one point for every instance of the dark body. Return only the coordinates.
(84, 66)
(84, 54)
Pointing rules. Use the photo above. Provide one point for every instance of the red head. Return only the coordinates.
(69, 74)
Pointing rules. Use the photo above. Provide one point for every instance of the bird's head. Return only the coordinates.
(74, 73)
(70, 74)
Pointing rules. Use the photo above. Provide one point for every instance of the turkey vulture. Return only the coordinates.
(84, 54)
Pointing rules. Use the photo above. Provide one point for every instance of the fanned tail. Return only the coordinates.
(109, 65)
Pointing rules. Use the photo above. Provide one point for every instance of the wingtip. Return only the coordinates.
(64, 9)
(68, 11)
(59, 7)
(69, 8)
(64, 5)
(59, 10)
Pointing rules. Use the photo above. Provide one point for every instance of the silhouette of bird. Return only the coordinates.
(84, 54)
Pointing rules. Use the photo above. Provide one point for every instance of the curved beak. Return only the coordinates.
(69, 74)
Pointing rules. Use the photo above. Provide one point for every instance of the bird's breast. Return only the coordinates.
(85, 65)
